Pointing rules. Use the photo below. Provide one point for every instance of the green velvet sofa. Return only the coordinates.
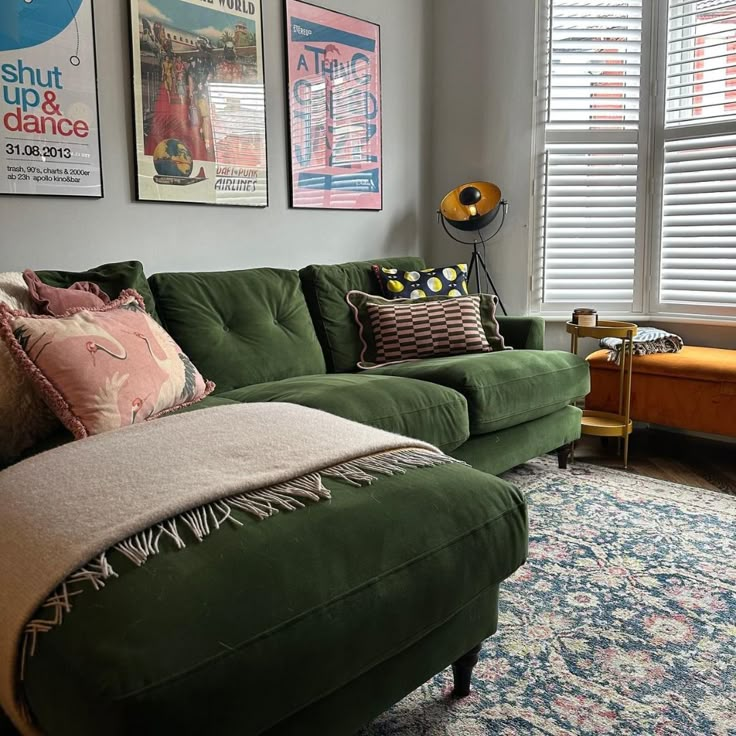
(317, 621)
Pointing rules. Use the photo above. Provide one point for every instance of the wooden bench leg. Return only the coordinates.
(563, 455)
(462, 672)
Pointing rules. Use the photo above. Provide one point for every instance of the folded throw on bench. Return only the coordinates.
(648, 340)
(67, 512)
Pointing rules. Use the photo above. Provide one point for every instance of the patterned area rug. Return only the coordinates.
(622, 622)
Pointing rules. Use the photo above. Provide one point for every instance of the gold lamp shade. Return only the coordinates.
(471, 206)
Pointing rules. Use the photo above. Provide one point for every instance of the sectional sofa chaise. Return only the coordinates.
(317, 621)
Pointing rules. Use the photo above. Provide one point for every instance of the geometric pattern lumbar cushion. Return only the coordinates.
(427, 329)
(377, 327)
(447, 281)
(105, 368)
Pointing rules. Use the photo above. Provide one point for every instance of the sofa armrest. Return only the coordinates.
(522, 333)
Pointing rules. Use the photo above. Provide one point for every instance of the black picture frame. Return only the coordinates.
(43, 163)
(296, 202)
(142, 193)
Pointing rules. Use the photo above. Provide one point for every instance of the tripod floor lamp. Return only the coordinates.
(471, 208)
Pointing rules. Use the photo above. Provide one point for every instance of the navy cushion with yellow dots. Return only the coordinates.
(447, 281)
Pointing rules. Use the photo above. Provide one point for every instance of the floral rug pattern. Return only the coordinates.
(622, 622)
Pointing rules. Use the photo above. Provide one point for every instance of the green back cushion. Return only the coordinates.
(240, 327)
(112, 278)
(325, 288)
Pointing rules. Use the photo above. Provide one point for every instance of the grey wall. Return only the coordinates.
(71, 234)
(483, 97)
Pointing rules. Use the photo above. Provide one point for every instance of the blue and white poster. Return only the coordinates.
(49, 123)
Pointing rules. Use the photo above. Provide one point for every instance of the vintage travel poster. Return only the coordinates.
(200, 101)
(49, 128)
(334, 82)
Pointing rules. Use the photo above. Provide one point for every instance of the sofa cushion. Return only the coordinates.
(112, 278)
(507, 388)
(429, 336)
(24, 417)
(240, 327)
(416, 409)
(105, 368)
(54, 301)
(205, 635)
(325, 288)
(447, 281)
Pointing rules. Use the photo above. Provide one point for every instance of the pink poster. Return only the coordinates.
(334, 81)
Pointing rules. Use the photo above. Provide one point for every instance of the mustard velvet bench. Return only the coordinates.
(694, 389)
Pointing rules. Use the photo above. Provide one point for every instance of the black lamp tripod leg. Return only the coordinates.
(473, 267)
(476, 263)
(493, 286)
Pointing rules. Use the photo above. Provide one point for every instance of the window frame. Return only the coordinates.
(652, 136)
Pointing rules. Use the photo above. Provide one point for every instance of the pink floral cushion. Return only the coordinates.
(105, 368)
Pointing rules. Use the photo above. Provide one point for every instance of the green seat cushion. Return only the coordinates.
(325, 288)
(112, 278)
(507, 388)
(233, 635)
(416, 409)
(240, 327)
(500, 451)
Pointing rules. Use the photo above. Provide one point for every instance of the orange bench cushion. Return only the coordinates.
(694, 389)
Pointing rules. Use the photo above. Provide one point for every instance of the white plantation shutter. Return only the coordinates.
(592, 152)
(591, 222)
(701, 61)
(698, 223)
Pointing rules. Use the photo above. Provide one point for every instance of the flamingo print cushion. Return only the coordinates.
(105, 368)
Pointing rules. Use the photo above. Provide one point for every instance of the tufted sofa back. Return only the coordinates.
(240, 327)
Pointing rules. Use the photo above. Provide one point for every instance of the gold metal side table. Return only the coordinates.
(601, 423)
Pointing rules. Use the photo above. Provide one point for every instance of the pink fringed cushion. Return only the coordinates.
(102, 369)
(57, 302)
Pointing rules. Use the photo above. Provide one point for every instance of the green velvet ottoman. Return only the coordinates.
(311, 622)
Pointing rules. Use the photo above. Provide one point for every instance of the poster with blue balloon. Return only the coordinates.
(49, 122)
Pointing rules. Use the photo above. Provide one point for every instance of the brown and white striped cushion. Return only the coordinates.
(407, 331)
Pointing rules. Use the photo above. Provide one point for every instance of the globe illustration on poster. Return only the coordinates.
(172, 158)
(28, 23)
(174, 163)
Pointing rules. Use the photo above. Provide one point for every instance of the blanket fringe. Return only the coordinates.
(202, 521)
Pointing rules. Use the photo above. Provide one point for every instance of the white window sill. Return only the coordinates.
(693, 319)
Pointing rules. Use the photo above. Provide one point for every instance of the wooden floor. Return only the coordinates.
(669, 456)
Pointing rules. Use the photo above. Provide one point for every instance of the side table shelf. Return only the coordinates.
(606, 424)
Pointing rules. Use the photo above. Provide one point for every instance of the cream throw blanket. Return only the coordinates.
(67, 507)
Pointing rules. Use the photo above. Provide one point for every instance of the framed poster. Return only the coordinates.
(334, 87)
(199, 96)
(49, 122)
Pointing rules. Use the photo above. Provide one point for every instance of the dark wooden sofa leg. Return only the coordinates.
(462, 672)
(563, 455)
